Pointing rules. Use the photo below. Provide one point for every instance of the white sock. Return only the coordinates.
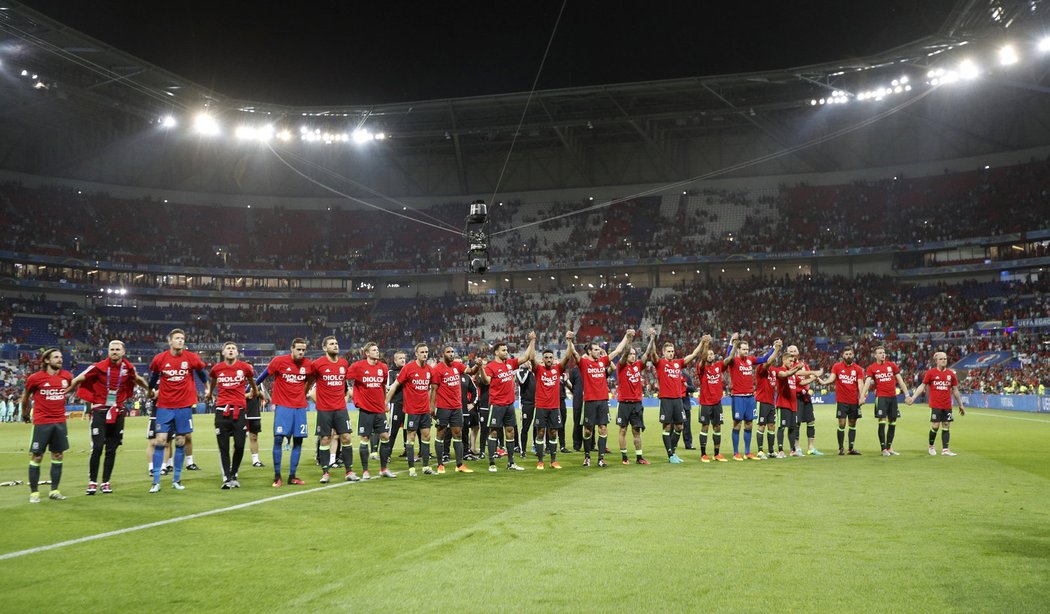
(189, 459)
(255, 458)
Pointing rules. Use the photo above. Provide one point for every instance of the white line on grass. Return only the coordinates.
(150, 525)
(1007, 417)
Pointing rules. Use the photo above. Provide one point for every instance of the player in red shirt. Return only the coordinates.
(741, 369)
(943, 384)
(292, 375)
(227, 383)
(594, 368)
(669, 377)
(106, 385)
(176, 399)
(765, 392)
(548, 399)
(805, 414)
(886, 376)
(791, 376)
(369, 377)
(850, 390)
(709, 375)
(448, 398)
(498, 375)
(47, 388)
(629, 411)
(415, 380)
(331, 394)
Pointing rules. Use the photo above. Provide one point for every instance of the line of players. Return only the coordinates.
(424, 393)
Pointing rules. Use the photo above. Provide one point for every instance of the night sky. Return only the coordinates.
(317, 53)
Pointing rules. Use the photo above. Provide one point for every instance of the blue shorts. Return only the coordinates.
(289, 421)
(743, 408)
(181, 418)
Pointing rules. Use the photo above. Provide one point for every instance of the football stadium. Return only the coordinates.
(602, 300)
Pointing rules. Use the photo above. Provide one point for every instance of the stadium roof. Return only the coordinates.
(81, 106)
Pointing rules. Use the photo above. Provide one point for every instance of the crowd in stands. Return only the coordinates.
(891, 212)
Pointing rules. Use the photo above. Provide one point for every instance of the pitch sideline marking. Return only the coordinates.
(150, 525)
(1009, 417)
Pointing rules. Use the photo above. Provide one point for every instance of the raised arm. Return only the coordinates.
(701, 350)
(734, 342)
(772, 354)
(484, 377)
(570, 350)
(531, 349)
(627, 337)
(650, 349)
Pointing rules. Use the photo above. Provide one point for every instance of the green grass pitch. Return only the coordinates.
(910, 533)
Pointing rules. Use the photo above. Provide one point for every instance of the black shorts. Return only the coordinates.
(711, 414)
(54, 437)
(471, 418)
(847, 411)
(101, 432)
(886, 408)
(416, 422)
(672, 411)
(254, 416)
(596, 413)
(368, 423)
(788, 418)
(227, 426)
(450, 417)
(805, 412)
(629, 413)
(548, 419)
(767, 413)
(502, 415)
(483, 416)
(337, 420)
(941, 415)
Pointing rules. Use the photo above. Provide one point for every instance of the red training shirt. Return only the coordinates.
(369, 385)
(176, 388)
(49, 396)
(501, 381)
(940, 384)
(415, 381)
(230, 381)
(331, 383)
(885, 378)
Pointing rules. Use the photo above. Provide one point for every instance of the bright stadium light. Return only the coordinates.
(168, 121)
(362, 136)
(1007, 55)
(284, 135)
(205, 124)
(1044, 44)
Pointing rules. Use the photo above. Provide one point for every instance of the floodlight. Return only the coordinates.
(168, 121)
(1044, 44)
(205, 124)
(968, 69)
(1007, 55)
(362, 136)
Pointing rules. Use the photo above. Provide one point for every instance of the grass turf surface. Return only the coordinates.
(911, 533)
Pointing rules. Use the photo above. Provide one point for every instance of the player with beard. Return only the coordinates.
(292, 375)
(765, 392)
(671, 390)
(498, 374)
(805, 414)
(741, 368)
(850, 391)
(47, 389)
(790, 378)
(416, 379)
(594, 367)
(106, 385)
(227, 384)
(547, 377)
(448, 399)
(331, 396)
(710, 373)
(369, 376)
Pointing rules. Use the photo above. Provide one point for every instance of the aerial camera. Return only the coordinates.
(478, 241)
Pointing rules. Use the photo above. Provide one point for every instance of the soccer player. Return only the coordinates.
(765, 392)
(292, 375)
(886, 376)
(106, 385)
(741, 368)
(547, 377)
(790, 378)
(710, 373)
(397, 407)
(943, 385)
(415, 379)
(331, 395)
(850, 391)
(594, 367)
(176, 398)
(448, 392)
(369, 376)
(805, 414)
(629, 411)
(226, 384)
(498, 374)
(670, 390)
(47, 390)
(253, 413)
